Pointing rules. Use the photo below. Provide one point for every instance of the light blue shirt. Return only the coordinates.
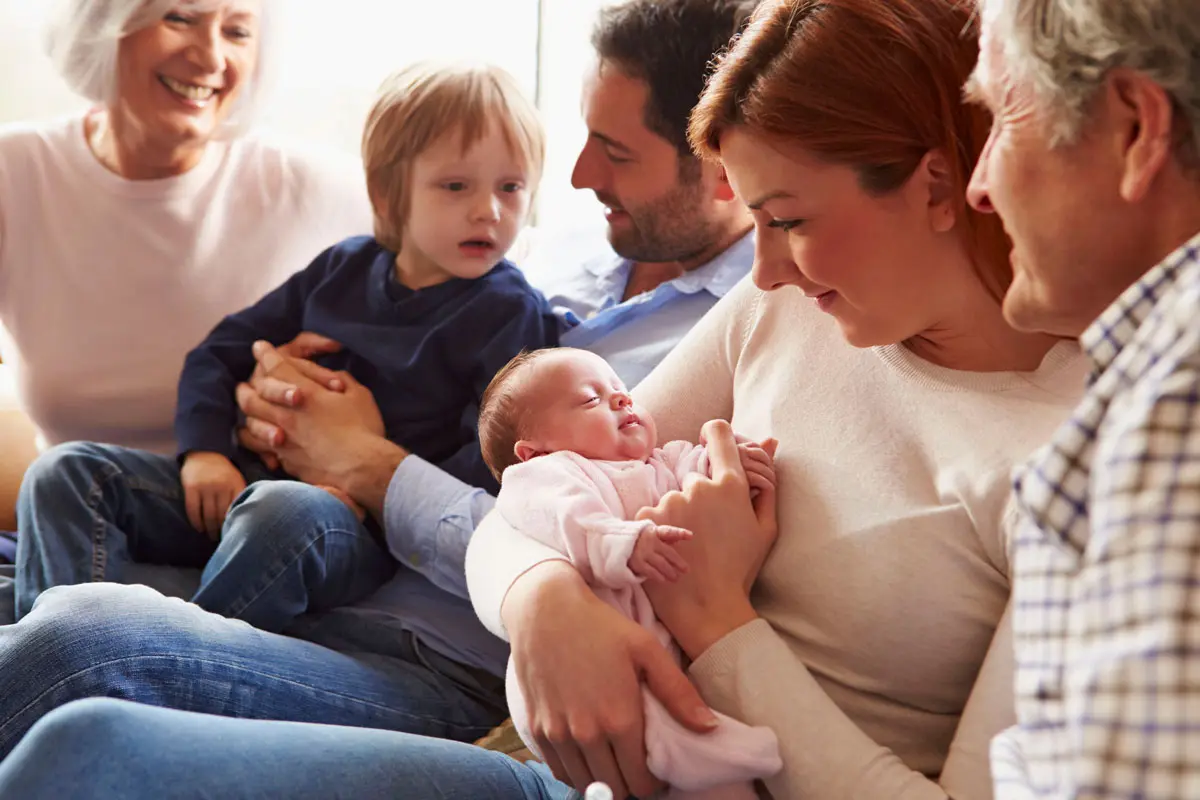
(430, 516)
(634, 335)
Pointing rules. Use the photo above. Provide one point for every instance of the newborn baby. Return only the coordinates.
(577, 460)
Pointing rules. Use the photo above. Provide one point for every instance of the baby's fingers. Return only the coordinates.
(763, 472)
(758, 484)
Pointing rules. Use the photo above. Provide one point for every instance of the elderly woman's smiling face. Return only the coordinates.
(179, 77)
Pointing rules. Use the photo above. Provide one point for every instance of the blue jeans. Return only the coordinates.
(113, 749)
(353, 667)
(8, 547)
(94, 512)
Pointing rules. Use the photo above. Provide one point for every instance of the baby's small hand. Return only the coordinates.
(358, 510)
(654, 556)
(758, 464)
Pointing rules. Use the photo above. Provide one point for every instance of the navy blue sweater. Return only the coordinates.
(426, 355)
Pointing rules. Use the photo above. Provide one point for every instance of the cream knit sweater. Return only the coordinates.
(107, 283)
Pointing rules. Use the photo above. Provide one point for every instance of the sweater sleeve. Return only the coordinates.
(206, 411)
(684, 458)
(694, 383)
(752, 675)
(523, 321)
(553, 500)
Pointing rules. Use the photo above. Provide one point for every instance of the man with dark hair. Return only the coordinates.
(673, 221)
(668, 45)
(414, 657)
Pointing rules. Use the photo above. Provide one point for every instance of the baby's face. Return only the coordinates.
(579, 404)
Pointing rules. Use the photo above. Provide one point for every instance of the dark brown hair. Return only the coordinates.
(669, 44)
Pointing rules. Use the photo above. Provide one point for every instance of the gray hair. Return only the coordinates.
(82, 38)
(1064, 49)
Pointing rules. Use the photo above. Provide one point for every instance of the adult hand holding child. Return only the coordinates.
(731, 536)
(320, 432)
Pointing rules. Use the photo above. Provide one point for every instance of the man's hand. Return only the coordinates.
(304, 347)
(210, 485)
(333, 438)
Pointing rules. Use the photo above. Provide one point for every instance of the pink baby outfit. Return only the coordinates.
(585, 510)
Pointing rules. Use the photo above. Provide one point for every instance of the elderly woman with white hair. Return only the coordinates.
(128, 231)
(1094, 166)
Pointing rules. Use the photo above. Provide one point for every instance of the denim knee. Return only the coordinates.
(76, 727)
(70, 468)
(85, 622)
(286, 510)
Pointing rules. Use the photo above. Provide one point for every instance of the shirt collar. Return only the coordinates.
(1105, 338)
(716, 277)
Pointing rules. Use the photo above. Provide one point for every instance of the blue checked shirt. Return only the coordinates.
(1106, 565)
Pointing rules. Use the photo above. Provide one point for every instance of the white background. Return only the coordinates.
(337, 51)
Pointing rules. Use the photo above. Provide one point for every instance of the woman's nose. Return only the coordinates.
(207, 48)
(774, 266)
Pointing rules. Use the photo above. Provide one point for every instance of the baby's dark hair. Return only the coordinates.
(502, 413)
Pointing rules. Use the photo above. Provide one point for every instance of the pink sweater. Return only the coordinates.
(585, 509)
(106, 283)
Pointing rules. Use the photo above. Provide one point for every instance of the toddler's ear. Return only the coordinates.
(525, 450)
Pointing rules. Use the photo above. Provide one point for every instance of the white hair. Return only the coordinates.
(1063, 49)
(82, 37)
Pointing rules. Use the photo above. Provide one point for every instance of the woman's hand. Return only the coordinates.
(581, 665)
(731, 536)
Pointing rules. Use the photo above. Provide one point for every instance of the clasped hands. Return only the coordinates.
(309, 420)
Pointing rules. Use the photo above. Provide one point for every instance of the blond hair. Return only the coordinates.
(427, 101)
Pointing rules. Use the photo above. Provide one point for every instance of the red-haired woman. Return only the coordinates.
(871, 344)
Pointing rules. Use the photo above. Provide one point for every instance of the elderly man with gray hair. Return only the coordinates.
(1094, 165)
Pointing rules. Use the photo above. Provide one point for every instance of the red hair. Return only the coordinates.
(871, 84)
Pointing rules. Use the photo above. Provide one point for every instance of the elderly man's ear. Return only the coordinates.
(1141, 118)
